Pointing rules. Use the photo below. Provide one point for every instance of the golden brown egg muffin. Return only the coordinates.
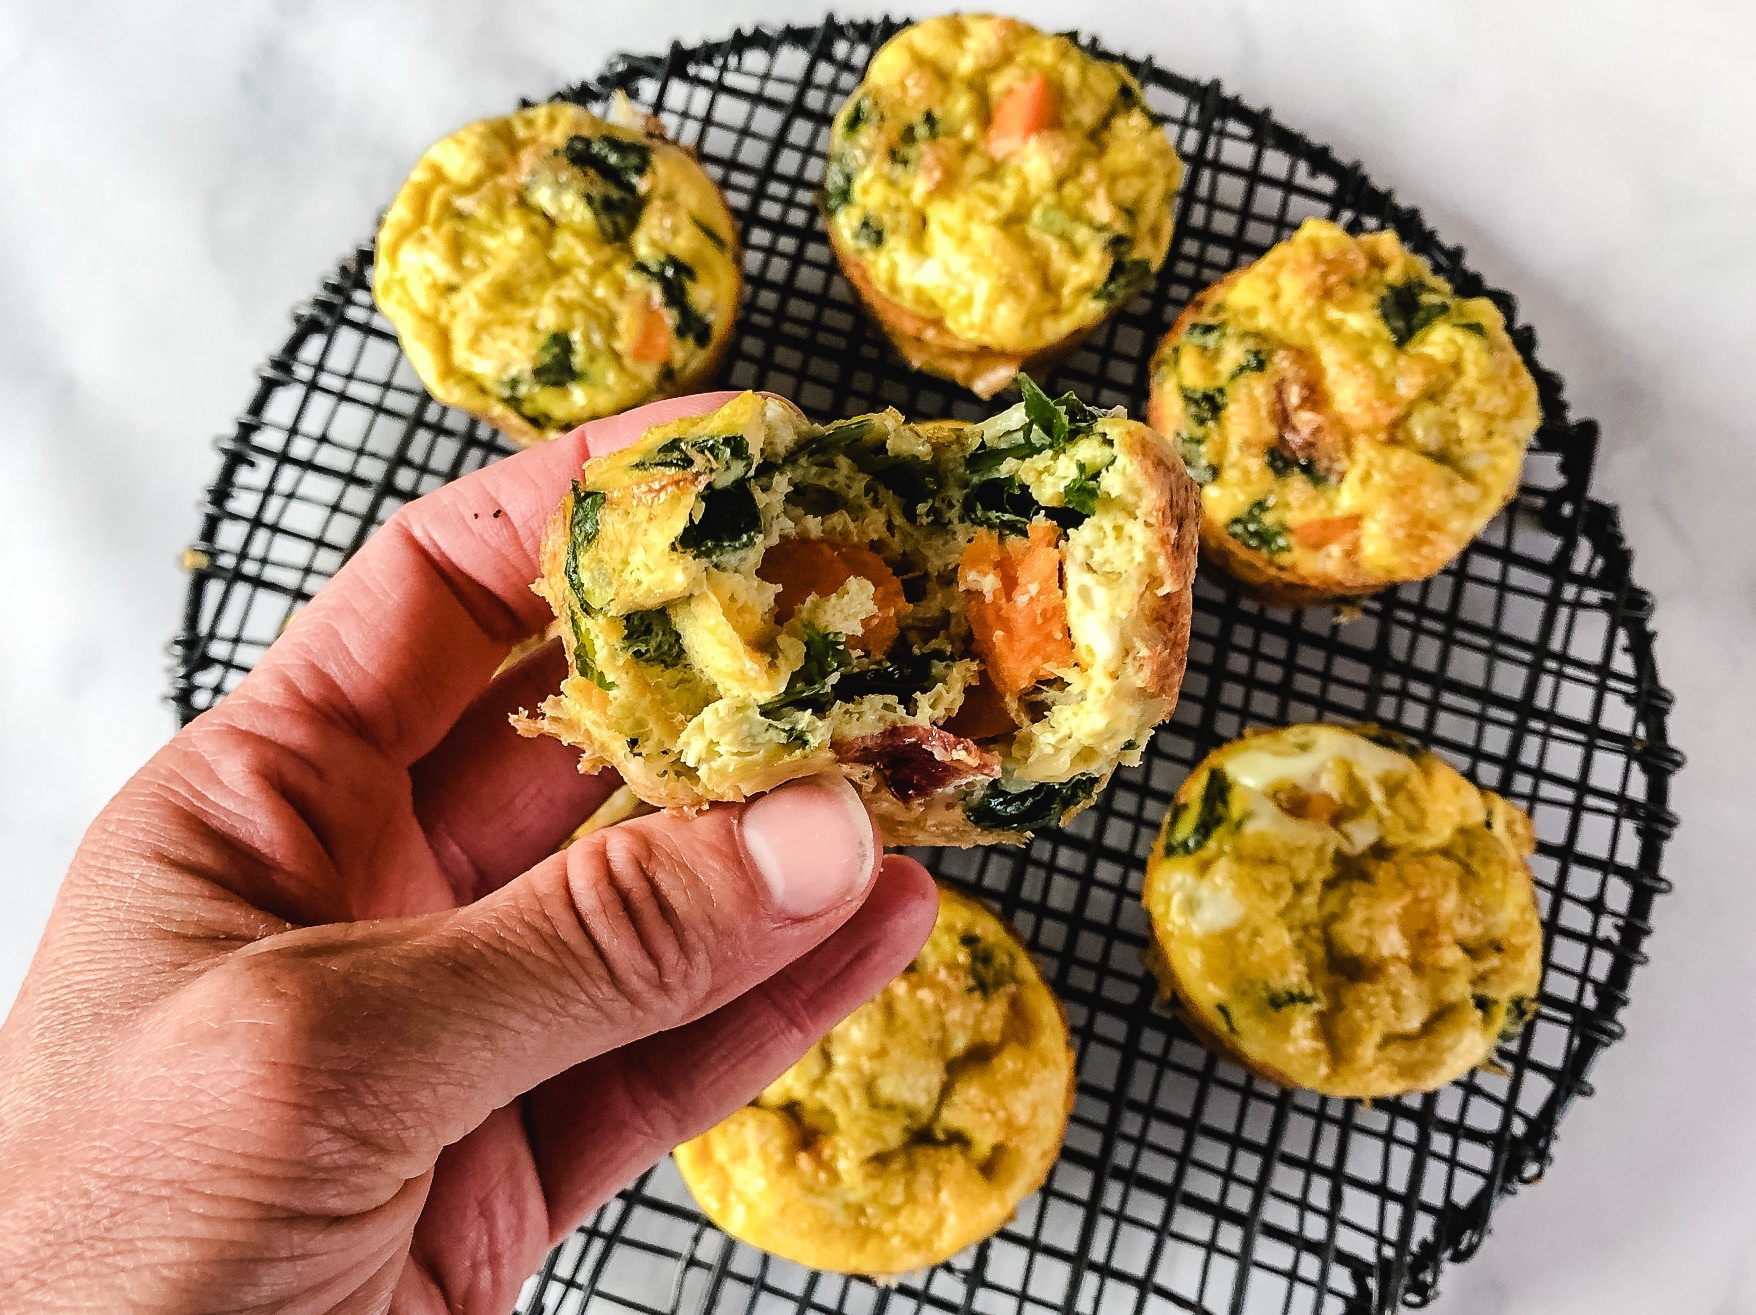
(1341, 910)
(973, 623)
(915, 1127)
(547, 268)
(1352, 423)
(993, 192)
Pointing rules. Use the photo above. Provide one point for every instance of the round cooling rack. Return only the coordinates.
(1185, 1184)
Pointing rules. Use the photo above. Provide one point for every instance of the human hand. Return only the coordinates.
(321, 1022)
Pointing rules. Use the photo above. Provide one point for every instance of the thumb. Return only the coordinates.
(634, 930)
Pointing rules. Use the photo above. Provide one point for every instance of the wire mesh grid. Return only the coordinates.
(1186, 1184)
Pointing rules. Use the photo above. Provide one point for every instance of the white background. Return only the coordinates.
(173, 177)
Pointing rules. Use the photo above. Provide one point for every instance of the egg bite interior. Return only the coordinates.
(912, 1129)
(974, 623)
(1345, 911)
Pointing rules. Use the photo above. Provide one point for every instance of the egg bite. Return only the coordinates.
(1341, 910)
(548, 267)
(915, 1127)
(993, 192)
(1353, 423)
(975, 624)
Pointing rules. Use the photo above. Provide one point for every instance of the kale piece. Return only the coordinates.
(904, 674)
(810, 688)
(1127, 274)
(585, 651)
(1193, 451)
(859, 114)
(618, 161)
(869, 233)
(1279, 1000)
(838, 182)
(1194, 823)
(1203, 405)
(673, 277)
(730, 522)
(582, 532)
(1254, 530)
(651, 636)
(554, 361)
(1045, 803)
(727, 455)
(1002, 505)
(990, 967)
(1407, 308)
(1282, 465)
(1204, 333)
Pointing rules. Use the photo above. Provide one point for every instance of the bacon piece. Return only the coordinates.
(917, 761)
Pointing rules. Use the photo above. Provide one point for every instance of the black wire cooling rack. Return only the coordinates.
(1186, 1184)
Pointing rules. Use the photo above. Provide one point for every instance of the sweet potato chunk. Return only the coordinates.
(1016, 607)
(806, 567)
(1321, 533)
(1026, 108)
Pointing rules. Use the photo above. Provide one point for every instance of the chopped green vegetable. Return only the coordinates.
(1193, 450)
(1193, 824)
(708, 232)
(1003, 808)
(1407, 308)
(859, 114)
(652, 636)
(1002, 505)
(990, 967)
(1226, 1013)
(582, 532)
(616, 160)
(554, 362)
(585, 652)
(726, 455)
(1126, 277)
(1081, 494)
(730, 523)
(810, 688)
(1254, 530)
(869, 234)
(1278, 1000)
(1049, 419)
(617, 213)
(904, 675)
(1203, 405)
(1520, 1009)
(1253, 361)
(838, 183)
(1283, 465)
(1470, 326)
(673, 277)
(909, 477)
(1204, 333)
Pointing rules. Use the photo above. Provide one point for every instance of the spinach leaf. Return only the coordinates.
(838, 182)
(1470, 326)
(1254, 361)
(1254, 530)
(1048, 418)
(1127, 275)
(1282, 465)
(1407, 308)
(1204, 333)
(1279, 1000)
(904, 675)
(618, 161)
(859, 114)
(810, 688)
(1045, 803)
(1082, 494)
(673, 277)
(1203, 405)
(1193, 823)
(912, 479)
(585, 652)
(582, 532)
(1193, 451)
(616, 213)
(869, 234)
(708, 232)
(1002, 505)
(1226, 1013)
(554, 362)
(990, 967)
(652, 636)
(730, 522)
(727, 455)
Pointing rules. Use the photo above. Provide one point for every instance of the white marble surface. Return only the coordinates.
(173, 177)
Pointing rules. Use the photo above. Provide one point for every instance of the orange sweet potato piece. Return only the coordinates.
(653, 341)
(1017, 610)
(803, 567)
(1321, 533)
(1027, 108)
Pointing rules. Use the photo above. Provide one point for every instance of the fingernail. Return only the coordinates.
(812, 843)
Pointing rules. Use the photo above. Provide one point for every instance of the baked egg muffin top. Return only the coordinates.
(915, 1127)
(1000, 180)
(1344, 911)
(974, 623)
(1351, 421)
(548, 267)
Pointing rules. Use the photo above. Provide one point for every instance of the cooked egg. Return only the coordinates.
(974, 623)
(915, 1127)
(546, 268)
(1343, 911)
(1352, 422)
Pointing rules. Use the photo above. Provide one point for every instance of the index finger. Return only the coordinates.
(409, 631)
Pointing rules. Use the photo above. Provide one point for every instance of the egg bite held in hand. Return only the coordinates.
(993, 193)
(975, 624)
(1341, 910)
(1353, 422)
(548, 267)
(913, 1129)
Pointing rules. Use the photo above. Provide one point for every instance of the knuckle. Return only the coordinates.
(646, 934)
